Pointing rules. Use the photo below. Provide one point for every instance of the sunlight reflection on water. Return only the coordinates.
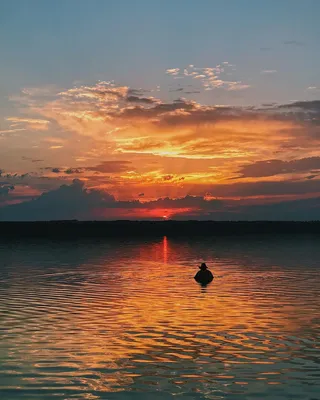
(112, 319)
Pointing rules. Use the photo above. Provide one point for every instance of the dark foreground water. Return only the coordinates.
(126, 320)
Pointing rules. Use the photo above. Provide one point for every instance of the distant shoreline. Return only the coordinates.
(122, 228)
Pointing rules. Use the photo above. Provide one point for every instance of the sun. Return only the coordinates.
(165, 217)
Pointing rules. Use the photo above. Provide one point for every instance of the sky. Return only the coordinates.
(159, 110)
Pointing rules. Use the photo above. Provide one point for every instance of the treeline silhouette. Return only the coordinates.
(171, 228)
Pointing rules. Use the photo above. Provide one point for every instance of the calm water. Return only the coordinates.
(126, 320)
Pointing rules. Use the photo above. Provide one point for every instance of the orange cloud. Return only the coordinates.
(182, 128)
(31, 123)
(175, 148)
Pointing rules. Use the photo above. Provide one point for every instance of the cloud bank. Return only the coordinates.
(74, 201)
(137, 150)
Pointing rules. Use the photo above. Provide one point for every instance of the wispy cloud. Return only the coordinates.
(210, 77)
(173, 71)
(30, 123)
(43, 91)
(12, 130)
(236, 85)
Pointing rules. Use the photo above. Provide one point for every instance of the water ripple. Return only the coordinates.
(116, 320)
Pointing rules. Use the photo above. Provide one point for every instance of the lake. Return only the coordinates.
(112, 319)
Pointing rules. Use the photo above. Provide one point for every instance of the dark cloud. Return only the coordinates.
(178, 104)
(275, 167)
(68, 171)
(313, 105)
(71, 171)
(76, 202)
(35, 182)
(196, 115)
(111, 167)
(304, 112)
(130, 96)
(267, 188)
(140, 194)
(301, 112)
(104, 167)
(66, 202)
(13, 177)
(303, 209)
(199, 208)
(196, 202)
(157, 110)
(31, 159)
(268, 104)
(5, 189)
(296, 210)
(137, 92)
(187, 112)
(143, 100)
(272, 189)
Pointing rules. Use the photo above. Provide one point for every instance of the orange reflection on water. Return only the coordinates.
(165, 249)
(154, 310)
(142, 308)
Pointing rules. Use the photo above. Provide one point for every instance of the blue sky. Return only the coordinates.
(134, 42)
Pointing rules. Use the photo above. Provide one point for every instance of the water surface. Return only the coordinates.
(125, 319)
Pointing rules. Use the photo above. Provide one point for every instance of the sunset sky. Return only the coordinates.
(141, 109)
